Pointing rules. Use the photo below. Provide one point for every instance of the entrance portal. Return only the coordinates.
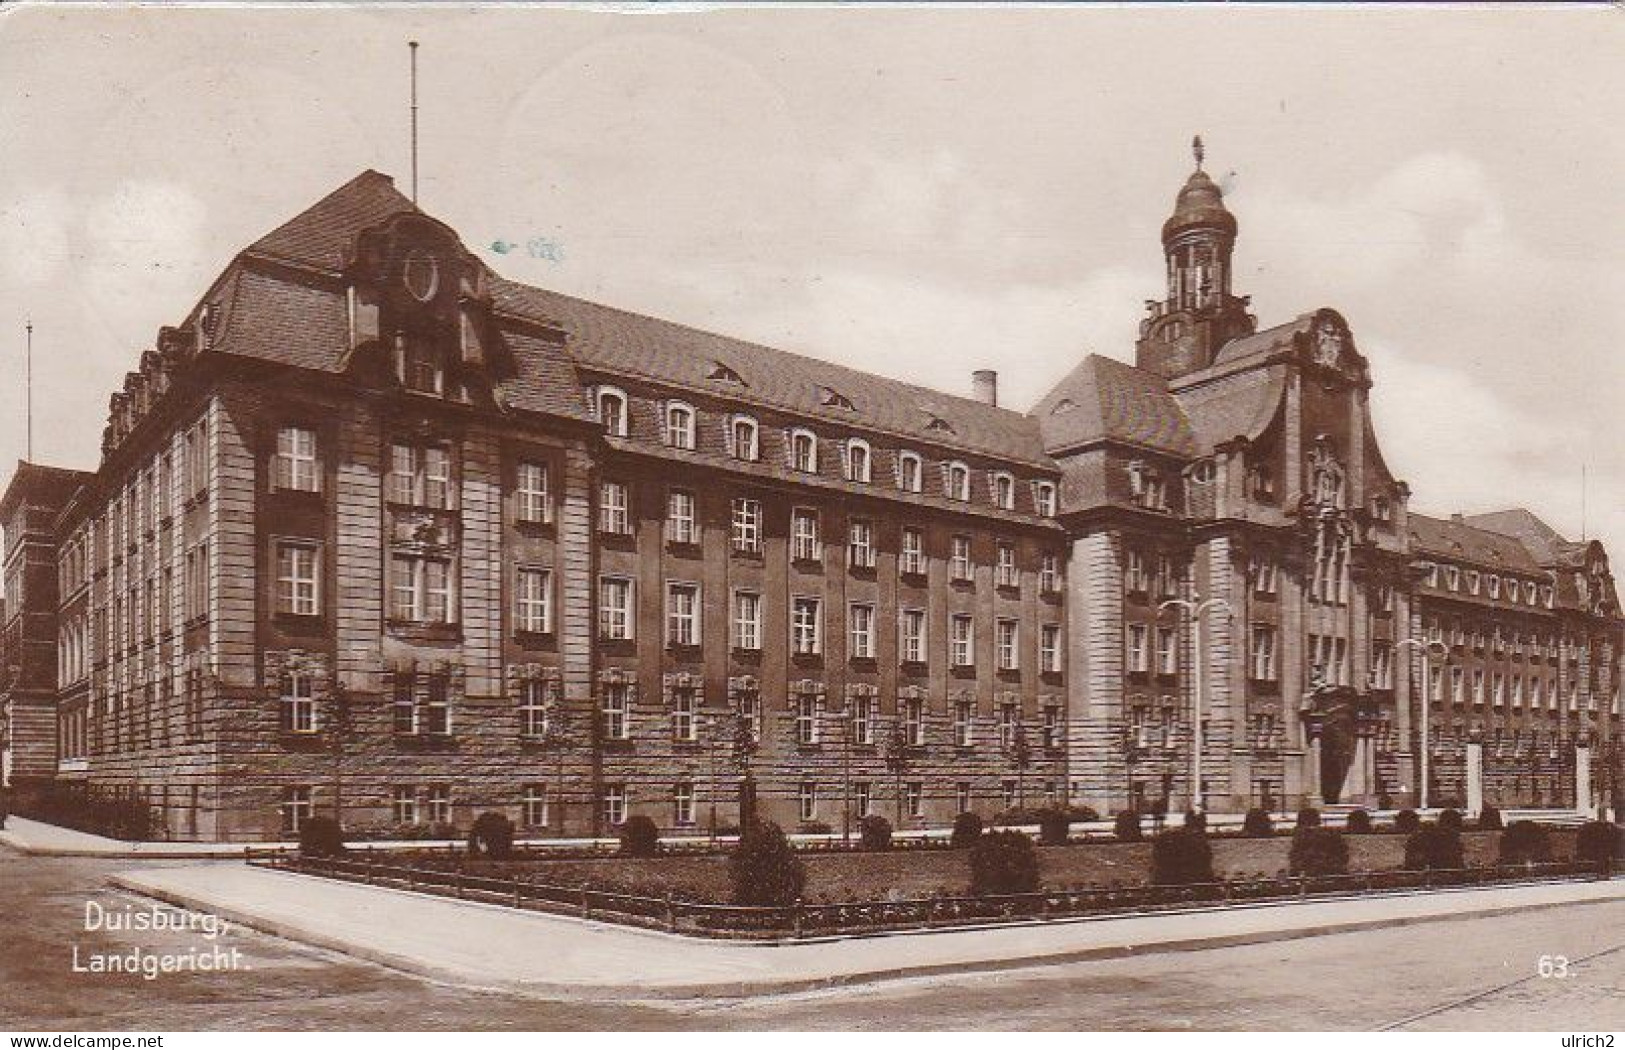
(1336, 756)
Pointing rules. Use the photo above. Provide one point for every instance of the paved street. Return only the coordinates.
(1355, 980)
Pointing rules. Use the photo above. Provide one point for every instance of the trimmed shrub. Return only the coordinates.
(1489, 819)
(1054, 827)
(1126, 826)
(816, 827)
(491, 836)
(1451, 820)
(1433, 846)
(763, 869)
(1003, 862)
(1181, 857)
(1257, 824)
(1308, 817)
(967, 829)
(1359, 822)
(1082, 814)
(1196, 822)
(639, 837)
(1600, 842)
(875, 832)
(1406, 821)
(320, 837)
(1525, 842)
(1318, 851)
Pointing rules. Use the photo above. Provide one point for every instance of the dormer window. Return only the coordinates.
(956, 479)
(1004, 491)
(910, 471)
(1473, 581)
(743, 439)
(679, 431)
(1452, 577)
(939, 425)
(723, 374)
(611, 408)
(858, 461)
(1494, 585)
(417, 366)
(1146, 486)
(1044, 498)
(1382, 510)
(803, 451)
(835, 399)
(1203, 472)
(1261, 480)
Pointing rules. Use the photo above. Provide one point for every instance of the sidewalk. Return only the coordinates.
(48, 840)
(492, 947)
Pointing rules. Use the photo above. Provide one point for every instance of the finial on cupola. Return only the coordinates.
(1198, 151)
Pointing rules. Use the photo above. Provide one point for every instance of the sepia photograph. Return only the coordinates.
(867, 518)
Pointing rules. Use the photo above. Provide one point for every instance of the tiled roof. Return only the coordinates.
(1242, 405)
(545, 379)
(1263, 343)
(49, 486)
(1106, 399)
(1542, 541)
(321, 236)
(625, 343)
(1459, 541)
(275, 318)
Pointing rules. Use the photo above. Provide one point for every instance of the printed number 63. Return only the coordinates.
(1553, 966)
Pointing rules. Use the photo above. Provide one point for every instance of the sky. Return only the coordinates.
(918, 192)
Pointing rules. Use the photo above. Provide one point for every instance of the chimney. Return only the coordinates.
(984, 386)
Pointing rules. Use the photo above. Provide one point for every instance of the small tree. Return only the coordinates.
(1489, 818)
(1181, 857)
(1257, 824)
(763, 869)
(967, 829)
(1054, 827)
(1196, 822)
(1525, 842)
(491, 836)
(1308, 817)
(874, 831)
(1318, 851)
(639, 837)
(1600, 842)
(1003, 862)
(1406, 821)
(1451, 820)
(320, 837)
(1126, 826)
(1433, 846)
(1359, 822)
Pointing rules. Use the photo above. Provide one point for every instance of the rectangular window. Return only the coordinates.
(685, 725)
(615, 805)
(959, 561)
(1478, 687)
(298, 703)
(682, 804)
(804, 543)
(533, 709)
(298, 591)
(863, 720)
(911, 558)
(1049, 573)
(806, 627)
(1167, 651)
(1052, 727)
(913, 632)
(747, 525)
(1049, 648)
(1168, 577)
(1458, 686)
(439, 804)
(962, 796)
(1005, 573)
(617, 709)
(806, 718)
(682, 614)
(680, 516)
(807, 800)
(914, 721)
(1264, 576)
(437, 706)
(914, 798)
(296, 809)
(1382, 666)
(535, 808)
(531, 500)
(296, 460)
(861, 621)
(862, 798)
(861, 543)
(533, 608)
(1139, 657)
(405, 808)
(420, 589)
(420, 475)
(615, 608)
(1262, 668)
(961, 639)
(964, 723)
(747, 620)
(1008, 722)
(613, 501)
(1136, 578)
(1005, 636)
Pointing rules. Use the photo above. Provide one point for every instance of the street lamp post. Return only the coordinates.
(1426, 648)
(711, 725)
(1196, 609)
(846, 774)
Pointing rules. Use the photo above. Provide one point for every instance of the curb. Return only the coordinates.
(759, 988)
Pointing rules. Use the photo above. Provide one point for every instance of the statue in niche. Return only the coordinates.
(1326, 476)
(1328, 344)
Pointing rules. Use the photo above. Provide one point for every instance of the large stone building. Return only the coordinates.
(379, 533)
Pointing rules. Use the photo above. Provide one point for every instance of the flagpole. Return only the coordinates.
(413, 44)
(28, 390)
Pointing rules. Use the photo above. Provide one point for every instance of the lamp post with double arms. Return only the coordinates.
(1196, 608)
(1426, 647)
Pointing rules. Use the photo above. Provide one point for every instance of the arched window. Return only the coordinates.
(858, 460)
(611, 408)
(910, 471)
(1044, 498)
(957, 481)
(804, 451)
(743, 439)
(1004, 491)
(679, 425)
